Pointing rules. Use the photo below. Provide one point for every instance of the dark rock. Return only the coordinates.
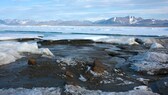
(76, 42)
(32, 61)
(162, 71)
(139, 41)
(161, 86)
(115, 53)
(98, 67)
(81, 41)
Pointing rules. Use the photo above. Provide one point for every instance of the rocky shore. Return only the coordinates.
(89, 67)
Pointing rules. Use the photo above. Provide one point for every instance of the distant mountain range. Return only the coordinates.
(114, 21)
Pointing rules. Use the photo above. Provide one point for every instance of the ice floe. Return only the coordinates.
(11, 51)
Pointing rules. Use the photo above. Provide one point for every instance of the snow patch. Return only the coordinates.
(34, 91)
(73, 90)
(77, 90)
(69, 61)
(82, 78)
(156, 45)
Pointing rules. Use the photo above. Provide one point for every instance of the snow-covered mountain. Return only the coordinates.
(132, 21)
(120, 20)
(114, 21)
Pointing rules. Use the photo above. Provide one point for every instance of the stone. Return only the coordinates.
(98, 67)
(69, 74)
(32, 61)
(139, 41)
(160, 86)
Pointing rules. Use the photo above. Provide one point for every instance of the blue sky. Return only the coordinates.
(82, 9)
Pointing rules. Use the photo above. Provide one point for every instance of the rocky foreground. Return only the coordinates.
(88, 67)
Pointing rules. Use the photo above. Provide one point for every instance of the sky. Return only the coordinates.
(82, 9)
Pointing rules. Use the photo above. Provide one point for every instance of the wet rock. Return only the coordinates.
(76, 42)
(160, 86)
(98, 67)
(81, 41)
(139, 41)
(115, 53)
(32, 61)
(69, 74)
(50, 42)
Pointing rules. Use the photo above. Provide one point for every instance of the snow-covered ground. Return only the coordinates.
(74, 90)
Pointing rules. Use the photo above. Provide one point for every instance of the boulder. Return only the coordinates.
(160, 86)
(139, 41)
(98, 67)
